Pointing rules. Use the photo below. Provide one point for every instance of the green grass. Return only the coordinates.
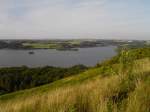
(77, 42)
(42, 45)
(64, 82)
(122, 87)
(50, 45)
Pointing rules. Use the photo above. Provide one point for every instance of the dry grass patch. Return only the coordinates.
(114, 93)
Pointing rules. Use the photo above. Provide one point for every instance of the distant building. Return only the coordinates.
(129, 41)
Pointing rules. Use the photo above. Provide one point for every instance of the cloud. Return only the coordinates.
(69, 18)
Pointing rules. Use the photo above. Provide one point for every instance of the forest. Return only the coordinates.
(18, 78)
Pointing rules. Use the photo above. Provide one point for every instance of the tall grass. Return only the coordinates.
(127, 92)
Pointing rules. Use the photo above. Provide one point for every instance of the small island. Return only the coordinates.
(31, 52)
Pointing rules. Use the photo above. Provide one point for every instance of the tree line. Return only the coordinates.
(18, 78)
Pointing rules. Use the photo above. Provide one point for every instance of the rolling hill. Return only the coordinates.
(121, 84)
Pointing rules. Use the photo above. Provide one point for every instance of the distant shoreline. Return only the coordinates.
(69, 45)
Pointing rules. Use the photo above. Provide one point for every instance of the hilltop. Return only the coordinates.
(120, 84)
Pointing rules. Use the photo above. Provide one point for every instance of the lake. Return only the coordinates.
(51, 57)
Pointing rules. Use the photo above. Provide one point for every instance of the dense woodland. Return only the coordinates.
(18, 78)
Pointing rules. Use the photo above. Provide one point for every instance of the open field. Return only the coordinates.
(52, 45)
(42, 45)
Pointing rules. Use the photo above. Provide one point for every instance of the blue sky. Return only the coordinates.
(119, 19)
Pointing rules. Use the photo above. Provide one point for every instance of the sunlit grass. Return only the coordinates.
(91, 92)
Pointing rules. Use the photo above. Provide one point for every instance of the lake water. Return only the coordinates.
(51, 57)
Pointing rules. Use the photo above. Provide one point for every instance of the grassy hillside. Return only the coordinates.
(118, 87)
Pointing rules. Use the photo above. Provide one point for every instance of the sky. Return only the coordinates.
(51, 19)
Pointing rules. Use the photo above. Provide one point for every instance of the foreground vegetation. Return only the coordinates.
(121, 86)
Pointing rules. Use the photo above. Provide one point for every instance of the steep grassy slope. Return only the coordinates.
(121, 87)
